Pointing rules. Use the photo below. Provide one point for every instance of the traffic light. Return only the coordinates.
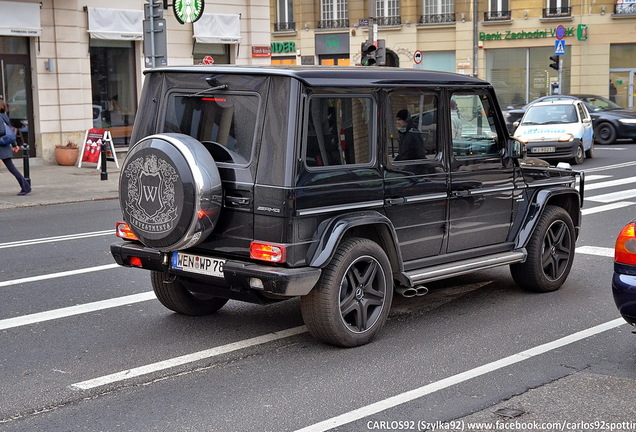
(380, 53)
(555, 62)
(368, 54)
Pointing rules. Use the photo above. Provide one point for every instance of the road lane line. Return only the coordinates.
(609, 183)
(57, 238)
(57, 275)
(462, 377)
(606, 207)
(610, 167)
(188, 358)
(613, 196)
(595, 250)
(75, 310)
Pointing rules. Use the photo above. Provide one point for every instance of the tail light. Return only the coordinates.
(625, 248)
(122, 230)
(268, 252)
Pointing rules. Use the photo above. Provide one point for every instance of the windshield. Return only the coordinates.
(550, 114)
(226, 120)
(596, 103)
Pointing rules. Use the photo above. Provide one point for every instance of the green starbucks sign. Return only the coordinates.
(187, 11)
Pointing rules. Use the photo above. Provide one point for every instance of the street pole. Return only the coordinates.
(373, 25)
(475, 36)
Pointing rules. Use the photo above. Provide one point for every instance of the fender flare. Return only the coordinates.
(331, 232)
(565, 197)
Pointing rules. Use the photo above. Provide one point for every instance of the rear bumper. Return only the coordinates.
(280, 281)
(624, 291)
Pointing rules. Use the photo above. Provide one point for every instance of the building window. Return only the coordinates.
(334, 14)
(388, 12)
(557, 8)
(285, 15)
(438, 11)
(497, 10)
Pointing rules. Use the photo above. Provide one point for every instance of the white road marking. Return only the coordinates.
(610, 183)
(57, 275)
(74, 310)
(610, 167)
(593, 177)
(428, 389)
(57, 238)
(607, 207)
(188, 358)
(594, 250)
(613, 196)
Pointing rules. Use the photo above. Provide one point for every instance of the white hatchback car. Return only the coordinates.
(559, 130)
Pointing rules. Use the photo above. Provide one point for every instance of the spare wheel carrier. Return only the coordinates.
(170, 191)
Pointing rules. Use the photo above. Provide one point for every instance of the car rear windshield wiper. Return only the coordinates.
(206, 91)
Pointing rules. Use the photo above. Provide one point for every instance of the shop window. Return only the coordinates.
(113, 87)
(220, 53)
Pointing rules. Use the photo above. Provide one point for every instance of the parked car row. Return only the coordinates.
(610, 120)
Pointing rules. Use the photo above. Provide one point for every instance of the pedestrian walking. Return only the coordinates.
(6, 149)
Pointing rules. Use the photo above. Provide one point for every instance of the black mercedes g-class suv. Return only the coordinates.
(340, 185)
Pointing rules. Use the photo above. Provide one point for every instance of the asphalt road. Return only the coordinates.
(84, 346)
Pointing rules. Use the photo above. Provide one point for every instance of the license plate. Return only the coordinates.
(197, 264)
(543, 149)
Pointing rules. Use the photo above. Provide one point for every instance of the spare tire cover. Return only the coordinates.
(170, 191)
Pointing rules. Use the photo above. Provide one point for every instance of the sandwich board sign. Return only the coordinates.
(91, 152)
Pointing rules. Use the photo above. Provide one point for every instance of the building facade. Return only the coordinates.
(508, 42)
(69, 65)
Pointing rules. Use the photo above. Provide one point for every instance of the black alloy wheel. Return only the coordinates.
(351, 302)
(605, 133)
(550, 253)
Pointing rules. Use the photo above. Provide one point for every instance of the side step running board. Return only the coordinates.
(442, 271)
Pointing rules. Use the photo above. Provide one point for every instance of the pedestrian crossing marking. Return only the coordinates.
(610, 183)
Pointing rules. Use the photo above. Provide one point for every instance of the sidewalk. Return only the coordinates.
(54, 184)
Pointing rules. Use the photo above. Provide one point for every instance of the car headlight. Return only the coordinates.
(628, 120)
(566, 137)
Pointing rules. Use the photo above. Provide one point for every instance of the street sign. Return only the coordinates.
(559, 47)
(560, 32)
(417, 56)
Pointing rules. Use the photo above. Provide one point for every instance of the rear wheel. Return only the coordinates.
(605, 133)
(351, 302)
(550, 253)
(174, 295)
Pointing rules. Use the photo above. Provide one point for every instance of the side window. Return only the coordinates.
(473, 126)
(582, 112)
(413, 131)
(339, 131)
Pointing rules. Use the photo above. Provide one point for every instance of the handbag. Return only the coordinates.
(9, 137)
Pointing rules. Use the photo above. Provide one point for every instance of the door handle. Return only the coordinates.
(460, 193)
(237, 201)
(395, 201)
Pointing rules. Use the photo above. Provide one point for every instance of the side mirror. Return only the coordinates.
(516, 124)
(516, 149)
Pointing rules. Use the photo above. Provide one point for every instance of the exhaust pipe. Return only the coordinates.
(421, 290)
(407, 292)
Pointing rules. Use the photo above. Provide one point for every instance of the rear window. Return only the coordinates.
(225, 123)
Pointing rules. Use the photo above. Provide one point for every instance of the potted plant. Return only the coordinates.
(66, 155)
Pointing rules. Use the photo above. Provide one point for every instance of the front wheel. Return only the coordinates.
(351, 301)
(589, 153)
(174, 295)
(579, 157)
(550, 253)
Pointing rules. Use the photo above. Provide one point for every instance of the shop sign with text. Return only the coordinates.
(537, 34)
(283, 47)
(261, 51)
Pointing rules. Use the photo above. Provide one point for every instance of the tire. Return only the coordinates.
(170, 191)
(176, 297)
(589, 153)
(579, 157)
(550, 253)
(605, 133)
(339, 313)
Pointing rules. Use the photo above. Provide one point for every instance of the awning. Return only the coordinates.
(218, 28)
(115, 24)
(22, 20)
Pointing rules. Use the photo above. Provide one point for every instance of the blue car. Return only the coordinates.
(624, 280)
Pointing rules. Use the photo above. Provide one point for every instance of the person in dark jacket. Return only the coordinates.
(411, 145)
(6, 151)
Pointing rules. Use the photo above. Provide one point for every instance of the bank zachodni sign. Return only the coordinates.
(537, 34)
